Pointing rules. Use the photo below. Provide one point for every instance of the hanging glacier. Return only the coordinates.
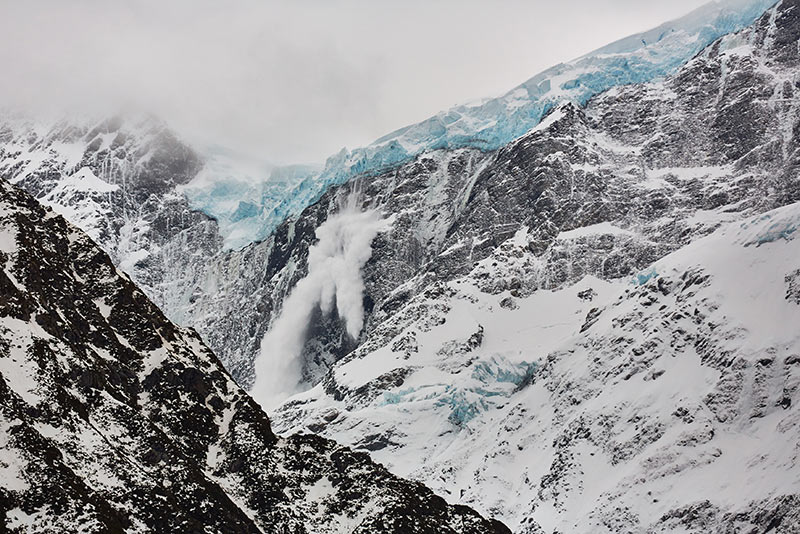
(249, 209)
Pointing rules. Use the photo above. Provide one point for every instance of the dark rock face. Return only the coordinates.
(793, 287)
(114, 419)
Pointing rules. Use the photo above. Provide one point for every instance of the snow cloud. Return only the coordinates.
(333, 282)
(293, 82)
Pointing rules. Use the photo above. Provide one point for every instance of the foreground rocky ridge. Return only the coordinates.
(112, 419)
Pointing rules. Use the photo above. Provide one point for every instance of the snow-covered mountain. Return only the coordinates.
(112, 419)
(595, 328)
(588, 326)
(117, 179)
(662, 402)
(151, 228)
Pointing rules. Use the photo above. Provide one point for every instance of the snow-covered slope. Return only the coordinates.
(657, 403)
(112, 419)
(593, 328)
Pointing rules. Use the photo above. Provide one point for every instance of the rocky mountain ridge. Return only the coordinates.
(112, 419)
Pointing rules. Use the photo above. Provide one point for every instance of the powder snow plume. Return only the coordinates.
(334, 277)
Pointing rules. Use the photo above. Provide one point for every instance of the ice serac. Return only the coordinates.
(113, 419)
(245, 195)
(495, 122)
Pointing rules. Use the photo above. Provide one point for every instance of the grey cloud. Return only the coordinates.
(294, 81)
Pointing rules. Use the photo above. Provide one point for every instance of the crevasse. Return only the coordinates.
(488, 125)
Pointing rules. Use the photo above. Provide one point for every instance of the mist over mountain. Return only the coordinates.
(292, 82)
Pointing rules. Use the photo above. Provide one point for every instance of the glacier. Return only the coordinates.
(249, 209)
(246, 196)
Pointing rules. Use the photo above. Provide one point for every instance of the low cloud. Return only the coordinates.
(293, 81)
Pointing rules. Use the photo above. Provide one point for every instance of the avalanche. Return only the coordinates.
(333, 282)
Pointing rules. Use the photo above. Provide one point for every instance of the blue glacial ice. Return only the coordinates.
(643, 277)
(247, 197)
(782, 224)
(249, 211)
(493, 380)
(490, 383)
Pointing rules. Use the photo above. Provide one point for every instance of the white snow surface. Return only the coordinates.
(669, 396)
(603, 228)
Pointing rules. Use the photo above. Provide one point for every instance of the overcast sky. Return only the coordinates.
(296, 81)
